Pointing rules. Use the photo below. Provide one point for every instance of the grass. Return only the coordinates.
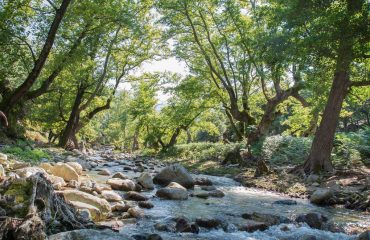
(23, 152)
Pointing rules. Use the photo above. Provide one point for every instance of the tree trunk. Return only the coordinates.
(135, 142)
(70, 130)
(9, 101)
(322, 145)
(188, 135)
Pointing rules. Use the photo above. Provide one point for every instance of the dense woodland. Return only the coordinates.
(253, 69)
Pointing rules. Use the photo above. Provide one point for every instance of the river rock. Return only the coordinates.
(321, 196)
(104, 172)
(146, 181)
(208, 188)
(85, 214)
(135, 212)
(78, 196)
(121, 184)
(89, 234)
(208, 222)
(29, 171)
(73, 184)
(95, 213)
(314, 220)
(65, 171)
(173, 191)
(203, 181)
(56, 180)
(252, 226)
(286, 202)
(182, 225)
(216, 193)
(145, 204)
(46, 166)
(268, 219)
(120, 207)
(145, 236)
(135, 196)
(364, 236)
(174, 173)
(120, 176)
(111, 196)
(76, 166)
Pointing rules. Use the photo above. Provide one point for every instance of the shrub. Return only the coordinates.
(285, 150)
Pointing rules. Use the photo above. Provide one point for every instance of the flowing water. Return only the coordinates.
(237, 200)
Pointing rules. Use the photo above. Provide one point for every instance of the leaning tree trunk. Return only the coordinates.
(322, 145)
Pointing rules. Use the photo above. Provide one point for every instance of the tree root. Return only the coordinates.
(48, 213)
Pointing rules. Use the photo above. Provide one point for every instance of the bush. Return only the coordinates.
(352, 148)
(285, 150)
(200, 151)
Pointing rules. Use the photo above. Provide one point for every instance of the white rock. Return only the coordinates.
(78, 196)
(65, 171)
(76, 166)
(146, 181)
(111, 196)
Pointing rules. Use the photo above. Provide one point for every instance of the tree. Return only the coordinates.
(343, 42)
(219, 43)
(10, 97)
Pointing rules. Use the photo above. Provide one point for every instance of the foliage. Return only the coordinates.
(23, 151)
(285, 150)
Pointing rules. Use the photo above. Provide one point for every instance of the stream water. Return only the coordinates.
(237, 200)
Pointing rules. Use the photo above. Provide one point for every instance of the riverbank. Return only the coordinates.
(129, 194)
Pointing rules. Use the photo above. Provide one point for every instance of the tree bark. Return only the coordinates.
(9, 101)
(322, 145)
(69, 131)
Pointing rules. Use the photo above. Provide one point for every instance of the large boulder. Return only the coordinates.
(174, 173)
(146, 181)
(321, 196)
(78, 196)
(76, 166)
(89, 234)
(65, 171)
(46, 166)
(121, 184)
(173, 191)
(29, 171)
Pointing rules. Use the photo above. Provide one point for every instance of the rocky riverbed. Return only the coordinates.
(141, 198)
